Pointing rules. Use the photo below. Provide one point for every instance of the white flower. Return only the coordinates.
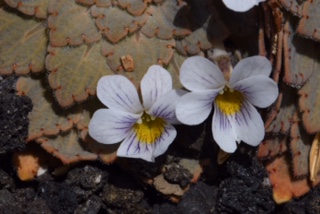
(234, 117)
(241, 5)
(144, 129)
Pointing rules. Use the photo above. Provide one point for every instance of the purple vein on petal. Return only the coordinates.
(245, 114)
(204, 79)
(223, 119)
(162, 109)
(131, 139)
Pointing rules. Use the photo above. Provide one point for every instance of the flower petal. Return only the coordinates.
(222, 131)
(241, 6)
(198, 73)
(165, 106)
(248, 125)
(111, 126)
(194, 107)
(166, 139)
(132, 148)
(117, 92)
(155, 83)
(260, 91)
(251, 66)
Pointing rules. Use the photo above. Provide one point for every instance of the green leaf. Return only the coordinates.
(115, 23)
(299, 61)
(67, 147)
(309, 25)
(37, 8)
(144, 52)
(300, 146)
(70, 23)
(46, 118)
(75, 72)
(168, 19)
(23, 44)
(134, 7)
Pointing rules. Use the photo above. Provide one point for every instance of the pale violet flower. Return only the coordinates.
(241, 5)
(144, 130)
(234, 118)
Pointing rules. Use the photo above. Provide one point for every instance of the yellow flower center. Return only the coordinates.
(229, 101)
(149, 129)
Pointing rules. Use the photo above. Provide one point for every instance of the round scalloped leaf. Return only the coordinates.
(168, 19)
(115, 24)
(272, 146)
(134, 7)
(299, 61)
(75, 72)
(23, 44)
(309, 103)
(45, 118)
(300, 146)
(106, 153)
(207, 29)
(292, 5)
(200, 40)
(67, 147)
(37, 8)
(70, 23)
(174, 68)
(284, 186)
(309, 25)
(144, 52)
(281, 116)
(100, 3)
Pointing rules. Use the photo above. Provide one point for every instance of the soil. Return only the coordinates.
(240, 185)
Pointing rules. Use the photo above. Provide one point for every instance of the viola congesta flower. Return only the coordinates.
(146, 129)
(241, 5)
(235, 117)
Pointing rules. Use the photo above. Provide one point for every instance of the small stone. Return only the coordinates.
(88, 178)
(178, 175)
(167, 188)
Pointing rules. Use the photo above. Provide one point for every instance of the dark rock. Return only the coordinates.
(201, 198)
(123, 195)
(25, 195)
(82, 195)
(164, 209)
(8, 203)
(143, 168)
(309, 204)
(178, 175)
(38, 206)
(58, 196)
(13, 117)
(119, 197)
(6, 181)
(313, 205)
(88, 177)
(91, 206)
(244, 191)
